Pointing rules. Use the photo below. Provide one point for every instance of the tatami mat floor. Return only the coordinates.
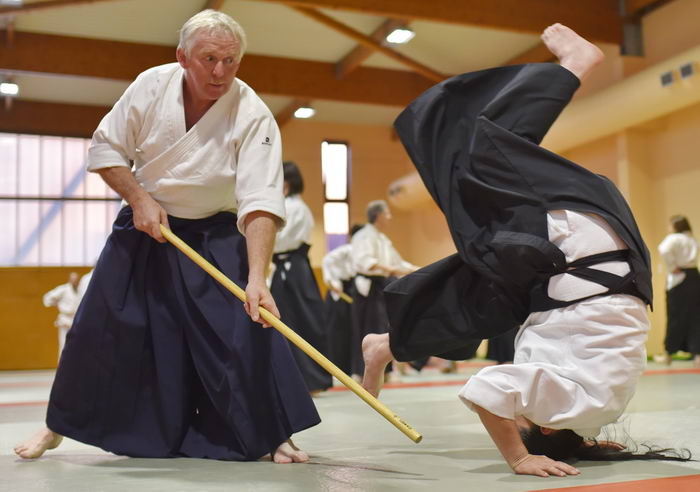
(354, 449)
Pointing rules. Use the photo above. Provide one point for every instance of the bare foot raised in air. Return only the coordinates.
(38, 444)
(287, 452)
(376, 354)
(574, 53)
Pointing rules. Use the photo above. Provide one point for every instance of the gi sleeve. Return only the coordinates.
(297, 229)
(667, 250)
(364, 256)
(114, 141)
(259, 178)
(54, 296)
(331, 270)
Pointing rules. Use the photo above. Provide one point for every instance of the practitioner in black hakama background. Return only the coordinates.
(339, 277)
(377, 263)
(679, 251)
(294, 286)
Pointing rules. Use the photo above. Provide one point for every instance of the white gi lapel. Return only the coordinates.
(183, 159)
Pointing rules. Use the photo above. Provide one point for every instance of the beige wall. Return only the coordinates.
(657, 168)
(377, 160)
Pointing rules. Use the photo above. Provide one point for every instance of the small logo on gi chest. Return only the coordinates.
(267, 141)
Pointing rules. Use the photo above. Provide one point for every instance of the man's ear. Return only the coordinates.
(547, 431)
(181, 57)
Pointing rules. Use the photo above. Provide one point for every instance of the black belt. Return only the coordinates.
(302, 250)
(616, 284)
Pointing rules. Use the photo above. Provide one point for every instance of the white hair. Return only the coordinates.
(376, 208)
(211, 21)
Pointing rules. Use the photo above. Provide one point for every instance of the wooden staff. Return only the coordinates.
(345, 297)
(291, 335)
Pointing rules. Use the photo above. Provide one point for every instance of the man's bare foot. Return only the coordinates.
(574, 53)
(696, 361)
(376, 354)
(287, 452)
(38, 443)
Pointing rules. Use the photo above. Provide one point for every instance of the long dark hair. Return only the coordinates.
(566, 445)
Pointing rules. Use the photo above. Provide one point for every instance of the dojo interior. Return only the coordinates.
(636, 120)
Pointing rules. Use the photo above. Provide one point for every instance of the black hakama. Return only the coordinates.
(474, 141)
(502, 348)
(162, 361)
(369, 315)
(683, 313)
(298, 299)
(339, 322)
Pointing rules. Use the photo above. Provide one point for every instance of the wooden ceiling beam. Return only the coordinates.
(599, 20)
(47, 5)
(537, 54)
(316, 80)
(213, 4)
(371, 43)
(361, 52)
(65, 55)
(45, 118)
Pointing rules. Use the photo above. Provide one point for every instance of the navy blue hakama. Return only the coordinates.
(369, 315)
(298, 299)
(162, 361)
(683, 314)
(339, 319)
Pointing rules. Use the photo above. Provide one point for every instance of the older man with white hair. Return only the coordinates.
(162, 362)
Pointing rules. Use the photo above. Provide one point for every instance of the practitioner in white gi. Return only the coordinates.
(542, 243)
(161, 361)
(294, 285)
(66, 297)
(339, 275)
(679, 250)
(377, 263)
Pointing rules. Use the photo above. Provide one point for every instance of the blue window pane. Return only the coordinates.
(29, 158)
(74, 233)
(28, 215)
(97, 228)
(8, 241)
(51, 233)
(74, 168)
(8, 164)
(51, 166)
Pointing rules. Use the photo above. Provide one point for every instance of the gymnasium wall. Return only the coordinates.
(655, 165)
(28, 338)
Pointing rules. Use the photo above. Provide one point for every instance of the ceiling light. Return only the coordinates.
(9, 89)
(304, 112)
(400, 35)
